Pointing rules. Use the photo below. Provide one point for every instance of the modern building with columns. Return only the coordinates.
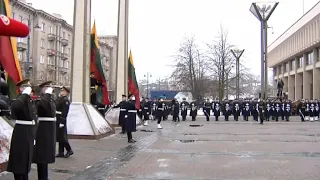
(294, 57)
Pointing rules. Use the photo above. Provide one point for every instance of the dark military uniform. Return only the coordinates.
(226, 110)
(160, 112)
(122, 114)
(246, 110)
(206, 109)
(62, 106)
(261, 110)
(45, 146)
(268, 110)
(216, 109)
(193, 110)
(146, 111)
(277, 110)
(130, 119)
(236, 109)
(154, 109)
(301, 110)
(255, 110)
(283, 110)
(288, 110)
(184, 109)
(23, 111)
(175, 113)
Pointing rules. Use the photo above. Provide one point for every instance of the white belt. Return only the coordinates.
(122, 109)
(146, 108)
(160, 108)
(132, 111)
(24, 122)
(47, 119)
(100, 108)
(58, 112)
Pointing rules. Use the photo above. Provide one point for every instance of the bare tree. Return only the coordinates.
(190, 68)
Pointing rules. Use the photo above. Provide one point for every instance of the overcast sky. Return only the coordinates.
(156, 27)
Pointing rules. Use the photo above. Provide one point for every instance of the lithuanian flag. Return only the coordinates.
(132, 81)
(8, 55)
(96, 67)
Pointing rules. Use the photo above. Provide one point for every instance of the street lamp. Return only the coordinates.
(147, 76)
(36, 28)
(237, 54)
(262, 13)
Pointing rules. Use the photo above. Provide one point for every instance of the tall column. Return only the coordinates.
(305, 79)
(297, 82)
(122, 50)
(316, 74)
(291, 87)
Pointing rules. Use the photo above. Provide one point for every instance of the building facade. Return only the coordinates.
(294, 57)
(46, 53)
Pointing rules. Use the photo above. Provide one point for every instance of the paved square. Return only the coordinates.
(215, 150)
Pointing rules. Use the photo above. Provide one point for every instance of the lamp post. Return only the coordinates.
(147, 76)
(237, 54)
(262, 13)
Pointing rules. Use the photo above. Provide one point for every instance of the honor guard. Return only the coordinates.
(226, 109)
(307, 111)
(216, 109)
(23, 111)
(277, 111)
(301, 108)
(236, 109)
(255, 110)
(130, 118)
(167, 110)
(122, 113)
(176, 108)
(316, 118)
(283, 110)
(287, 112)
(312, 111)
(261, 110)
(146, 111)
(193, 110)
(184, 109)
(62, 106)
(154, 109)
(207, 109)
(4, 99)
(45, 146)
(246, 110)
(160, 112)
(268, 111)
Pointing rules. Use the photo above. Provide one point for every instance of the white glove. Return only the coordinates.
(126, 116)
(147, 113)
(61, 125)
(49, 90)
(27, 90)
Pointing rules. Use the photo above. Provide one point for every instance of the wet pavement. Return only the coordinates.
(198, 151)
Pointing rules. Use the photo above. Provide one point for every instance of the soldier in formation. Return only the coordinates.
(216, 109)
(193, 110)
(62, 106)
(160, 110)
(122, 113)
(130, 118)
(236, 109)
(175, 110)
(226, 109)
(207, 108)
(146, 111)
(184, 109)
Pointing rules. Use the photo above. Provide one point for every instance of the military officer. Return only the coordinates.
(130, 118)
(160, 112)
(122, 113)
(206, 109)
(4, 99)
(255, 110)
(261, 110)
(316, 118)
(146, 111)
(301, 109)
(193, 110)
(312, 112)
(175, 113)
(307, 111)
(268, 111)
(23, 111)
(236, 109)
(45, 146)
(246, 110)
(287, 112)
(216, 109)
(184, 108)
(226, 109)
(154, 109)
(283, 110)
(62, 106)
(277, 111)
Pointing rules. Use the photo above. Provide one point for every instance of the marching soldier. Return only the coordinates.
(130, 118)
(216, 109)
(146, 111)
(307, 111)
(122, 113)
(62, 106)
(283, 110)
(207, 108)
(175, 113)
(255, 110)
(277, 111)
(154, 109)
(261, 110)
(160, 111)
(165, 111)
(316, 118)
(236, 109)
(246, 110)
(301, 108)
(23, 111)
(184, 109)
(312, 112)
(45, 146)
(268, 111)
(287, 110)
(226, 110)
(193, 110)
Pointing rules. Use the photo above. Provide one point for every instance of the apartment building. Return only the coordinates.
(46, 53)
(294, 57)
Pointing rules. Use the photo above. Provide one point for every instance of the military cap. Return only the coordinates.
(65, 89)
(23, 82)
(47, 83)
(123, 95)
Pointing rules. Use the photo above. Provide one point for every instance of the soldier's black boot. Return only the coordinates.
(217, 118)
(59, 155)
(68, 154)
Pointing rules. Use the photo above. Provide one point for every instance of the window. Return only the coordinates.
(310, 58)
(63, 49)
(287, 67)
(43, 27)
(42, 43)
(300, 62)
(41, 59)
(293, 65)
(50, 30)
(66, 65)
(63, 35)
(69, 37)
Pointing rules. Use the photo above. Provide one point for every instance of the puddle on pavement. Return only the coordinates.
(190, 134)
(313, 135)
(184, 141)
(146, 130)
(195, 125)
(64, 171)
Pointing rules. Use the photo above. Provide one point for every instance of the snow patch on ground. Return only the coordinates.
(5, 139)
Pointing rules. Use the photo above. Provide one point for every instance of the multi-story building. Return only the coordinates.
(46, 53)
(294, 57)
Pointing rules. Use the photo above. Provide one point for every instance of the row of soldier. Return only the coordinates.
(39, 124)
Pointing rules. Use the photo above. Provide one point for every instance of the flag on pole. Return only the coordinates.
(132, 81)
(9, 55)
(96, 68)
